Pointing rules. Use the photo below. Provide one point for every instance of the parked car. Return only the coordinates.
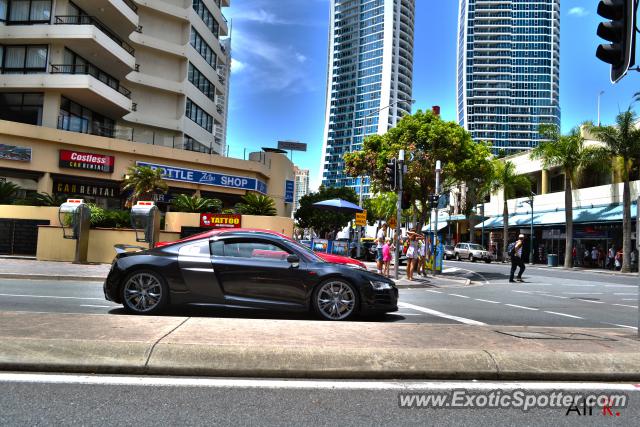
(449, 252)
(245, 267)
(472, 252)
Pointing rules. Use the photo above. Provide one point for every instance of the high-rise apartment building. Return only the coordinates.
(146, 71)
(301, 186)
(508, 70)
(369, 78)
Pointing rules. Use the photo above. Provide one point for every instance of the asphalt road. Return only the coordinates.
(33, 399)
(548, 298)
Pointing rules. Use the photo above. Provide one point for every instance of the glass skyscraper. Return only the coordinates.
(508, 70)
(369, 78)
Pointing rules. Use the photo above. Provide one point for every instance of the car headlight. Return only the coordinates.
(380, 286)
(356, 266)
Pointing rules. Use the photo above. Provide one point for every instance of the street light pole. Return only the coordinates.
(530, 203)
(359, 227)
(399, 177)
(482, 213)
(435, 221)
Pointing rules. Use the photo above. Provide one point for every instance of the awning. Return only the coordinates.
(584, 215)
(428, 228)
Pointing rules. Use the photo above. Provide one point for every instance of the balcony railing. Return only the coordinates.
(92, 71)
(90, 20)
(131, 5)
(83, 125)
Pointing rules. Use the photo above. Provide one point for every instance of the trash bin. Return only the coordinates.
(552, 260)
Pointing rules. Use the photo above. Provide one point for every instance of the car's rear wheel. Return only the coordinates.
(457, 257)
(472, 258)
(335, 299)
(144, 292)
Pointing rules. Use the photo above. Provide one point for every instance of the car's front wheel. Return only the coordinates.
(144, 292)
(335, 299)
(472, 258)
(458, 257)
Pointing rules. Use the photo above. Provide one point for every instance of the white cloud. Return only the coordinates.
(300, 57)
(260, 15)
(578, 11)
(237, 66)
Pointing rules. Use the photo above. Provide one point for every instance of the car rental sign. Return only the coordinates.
(173, 173)
(220, 220)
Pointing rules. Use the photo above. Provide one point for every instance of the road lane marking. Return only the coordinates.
(458, 295)
(624, 293)
(582, 293)
(488, 300)
(450, 270)
(97, 306)
(523, 292)
(564, 314)
(553, 296)
(625, 305)
(50, 296)
(629, 299)
(305, 384)
(435, 292)
(622, 326)
(522, 306)
(582, 286)
(440, 314)
(539, 284)
(619, 286)
(591, 301)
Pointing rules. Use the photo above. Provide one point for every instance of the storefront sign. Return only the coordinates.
(220, 220)
(88, 161)
(111, 190)
(288, 191)
(361, 218)
(292, 145)
(194, 176)
(14, 152)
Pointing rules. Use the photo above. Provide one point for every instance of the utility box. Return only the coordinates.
(145, 220)
(75, 219)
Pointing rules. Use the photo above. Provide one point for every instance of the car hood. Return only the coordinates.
(338, 259)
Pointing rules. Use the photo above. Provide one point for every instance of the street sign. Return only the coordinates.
(292, 145)
(361, 218)
(392, 223)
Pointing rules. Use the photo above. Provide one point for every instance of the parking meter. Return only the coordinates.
(75, 219)
(145, 220)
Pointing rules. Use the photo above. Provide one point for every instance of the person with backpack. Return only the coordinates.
(515, 252)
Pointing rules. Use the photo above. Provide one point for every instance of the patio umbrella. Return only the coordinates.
(338, 205)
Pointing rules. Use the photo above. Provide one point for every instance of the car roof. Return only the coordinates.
(235, 231)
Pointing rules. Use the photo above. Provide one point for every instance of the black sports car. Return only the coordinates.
(251, 268)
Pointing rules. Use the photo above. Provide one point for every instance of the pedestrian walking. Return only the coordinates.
(618, 260)
(386, 256)
(594, 257)
(611, 255)
(380, 239)
(412, 254)
(515, 252)
(422, 253)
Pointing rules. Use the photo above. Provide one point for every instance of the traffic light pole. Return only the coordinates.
(435, 221)
(400, 178)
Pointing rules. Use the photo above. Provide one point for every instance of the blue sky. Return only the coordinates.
(278, 81)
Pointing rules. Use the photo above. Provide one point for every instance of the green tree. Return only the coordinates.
(426, 138)
(143, 182)
(322, 221)
(45, 199)
(8, 192)
(505, 179)
(381, 207)
(185, 203)
(569, 153)
(256, 204)
(623, 141)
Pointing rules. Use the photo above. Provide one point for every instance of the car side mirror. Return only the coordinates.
(293, 260)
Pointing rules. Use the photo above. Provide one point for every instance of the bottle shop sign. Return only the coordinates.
(220, 220)
(87, 161)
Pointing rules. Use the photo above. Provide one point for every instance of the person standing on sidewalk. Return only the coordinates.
(516, 259)
(386, 257)
(380, 237)
(611, 257)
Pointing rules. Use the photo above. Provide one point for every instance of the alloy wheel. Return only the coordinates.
(142, 292)
(335, 300)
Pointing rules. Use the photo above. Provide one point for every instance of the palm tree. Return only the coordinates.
(569, 153)
(505, 179)
(184, 203)
(8, 192)
(143, 182)
(256, 204)
(623, 141)
(46, 199)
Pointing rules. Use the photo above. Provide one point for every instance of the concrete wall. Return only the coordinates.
(30, 212)
(52, 246)
(175, 220)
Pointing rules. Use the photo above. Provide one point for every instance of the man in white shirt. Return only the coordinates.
(380, 238)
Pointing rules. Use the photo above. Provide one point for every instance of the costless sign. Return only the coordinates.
(173, 173)
(292, 145)
(88, 161)
(220, 220)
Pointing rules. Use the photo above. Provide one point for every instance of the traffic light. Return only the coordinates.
(433, 201)
(620, 30)
(406, 200)
(390, 172)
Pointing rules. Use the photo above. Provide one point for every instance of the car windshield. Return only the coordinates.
(306, 250)
(476, 247)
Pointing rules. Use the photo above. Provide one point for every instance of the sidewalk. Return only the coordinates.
(121, 344)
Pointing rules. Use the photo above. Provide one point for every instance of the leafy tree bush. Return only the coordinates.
(256, 204)
(185, 203)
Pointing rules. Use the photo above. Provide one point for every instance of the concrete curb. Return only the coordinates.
(21, 276)
(129, 358)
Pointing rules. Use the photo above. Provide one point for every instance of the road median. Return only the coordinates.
(120, 344)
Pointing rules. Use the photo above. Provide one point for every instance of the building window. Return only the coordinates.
(24, 12)
(207, 17)
(76, 118)
(23, 59)
(198, 43)
(194, 145)
(201, 82)
(21, 107)
(199, 116)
